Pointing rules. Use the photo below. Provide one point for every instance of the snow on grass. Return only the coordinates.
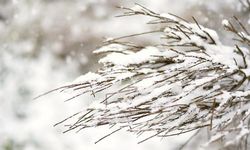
(89, 77)
(145, 55)
(188, 84)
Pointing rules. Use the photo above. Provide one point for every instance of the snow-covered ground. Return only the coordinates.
(47, 43)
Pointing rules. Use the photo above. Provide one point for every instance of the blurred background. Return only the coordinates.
(47, 43)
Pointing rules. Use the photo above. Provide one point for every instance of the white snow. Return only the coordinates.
(144, 55)
(136, 8)
(168, 16)
(111, 48)
(89, 77)
(225, 22)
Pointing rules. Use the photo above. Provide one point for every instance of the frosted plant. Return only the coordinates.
(189, 81)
